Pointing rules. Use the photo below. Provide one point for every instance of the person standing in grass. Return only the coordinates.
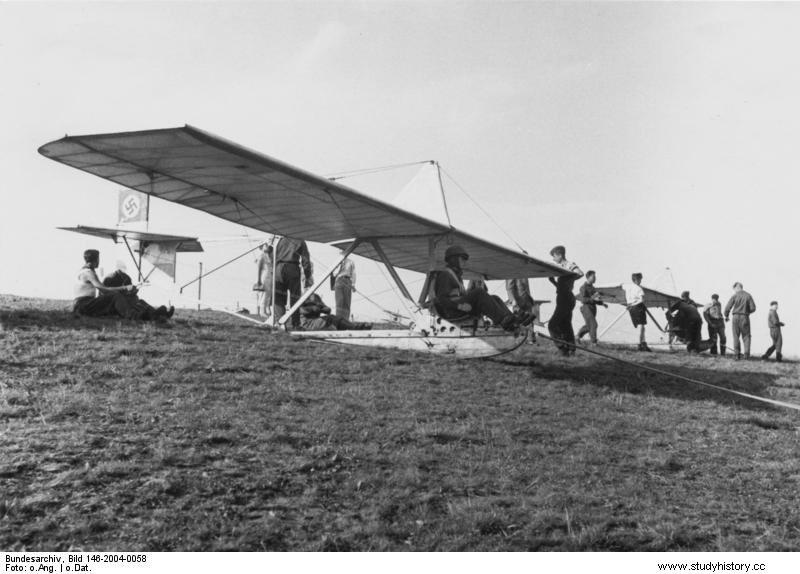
(634, 298)
(590, 299)
(264, 281)
(560, 324)
(716, 325)
(684, 319)
(741, 305)
(519, 295)
(344, 285)
(291, 254)
(774, 324)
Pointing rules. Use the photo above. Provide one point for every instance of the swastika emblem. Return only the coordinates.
(131, 206)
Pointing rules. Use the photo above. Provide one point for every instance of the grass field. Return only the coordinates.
(211, 434)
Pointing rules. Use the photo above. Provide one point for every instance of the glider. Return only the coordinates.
(615, 295)
(197, 169)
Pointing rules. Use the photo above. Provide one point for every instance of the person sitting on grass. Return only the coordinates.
(146, 311)
(93, 299)
(315, 315)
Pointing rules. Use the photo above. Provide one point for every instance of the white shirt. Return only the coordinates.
(84, 287)
(634, 294)
(347, 269)
(571, 267)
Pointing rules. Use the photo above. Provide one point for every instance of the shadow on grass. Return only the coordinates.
(630, 378)
(62, 319)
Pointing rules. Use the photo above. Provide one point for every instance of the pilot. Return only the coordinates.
(452, 300)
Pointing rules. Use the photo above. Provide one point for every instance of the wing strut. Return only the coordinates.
(135, 262)
(309, 292)
(654, 320)
(617, 318)
(395, 276)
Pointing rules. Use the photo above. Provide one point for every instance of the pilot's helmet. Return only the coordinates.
(455, 251)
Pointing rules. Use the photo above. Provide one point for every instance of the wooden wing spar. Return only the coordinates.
(199, 170)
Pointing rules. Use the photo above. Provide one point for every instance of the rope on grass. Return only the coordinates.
(670, 374)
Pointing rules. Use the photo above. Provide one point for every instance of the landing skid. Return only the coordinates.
(460, 344)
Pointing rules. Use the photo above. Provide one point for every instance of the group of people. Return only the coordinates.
(290, 262)
(293, 269)
(683, 318)
(114, 296)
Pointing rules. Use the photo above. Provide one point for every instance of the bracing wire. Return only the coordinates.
(370, 170)
(486, 213)
(669, 374)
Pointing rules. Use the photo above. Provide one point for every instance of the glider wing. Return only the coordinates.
(200, 170)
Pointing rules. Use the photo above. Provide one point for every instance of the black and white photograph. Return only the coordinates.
(399, 276)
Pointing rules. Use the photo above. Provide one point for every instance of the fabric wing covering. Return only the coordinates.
(183, 244)
(202, 171)
(615, 294)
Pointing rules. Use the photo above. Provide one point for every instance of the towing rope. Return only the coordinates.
(669, 374)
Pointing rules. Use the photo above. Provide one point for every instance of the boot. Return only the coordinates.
(779, 358)
(510, 323)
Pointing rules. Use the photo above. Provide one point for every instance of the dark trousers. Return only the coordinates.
(589, 313)
(482, 303)
(560, 324)
(694, 334)
(343, 292)
(777, 343)
(287, 280)
(741, 329)
(716, 330)
(105, 304)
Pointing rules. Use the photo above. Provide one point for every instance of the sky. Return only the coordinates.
(642, 136)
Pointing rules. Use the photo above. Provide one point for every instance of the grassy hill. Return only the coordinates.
(212, 434)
